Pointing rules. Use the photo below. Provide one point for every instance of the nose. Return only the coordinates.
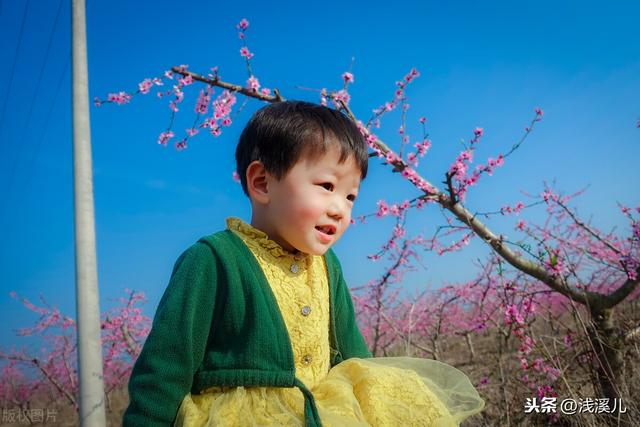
(337, 208)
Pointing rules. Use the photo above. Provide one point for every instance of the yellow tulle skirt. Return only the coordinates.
(385, 391)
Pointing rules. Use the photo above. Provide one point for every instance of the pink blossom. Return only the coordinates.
(181, 145)
(202, 105)
(466, 156)
(243, 25)
(119, 98)
(567, 340)
(168, 74)
(341, 95)
(552, 373)
(97, 102)
(186, 80)
(391, 157)
(523, 363)
(473, 179)
(222, 105)
(192, 131)
(226, 121)
(423, 147)
(538, 363)
(399, 232)
(521, 225)
(513, 314)
(527, 345)
(177, 90)
(244, 52)
(410, 174)
(383, 209)
(423, 120)
(547, 194)
(144, 86)
(253, 84)
(539, 112)
(478, 132)
(235, 176)
(458, 169)
(265, 91)
(411, 75)
(546, 390)
(635, 227)
(347, 77)
(165, 137)
(323, 97)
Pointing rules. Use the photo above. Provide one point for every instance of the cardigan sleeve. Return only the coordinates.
(350, 341)
(163, 373)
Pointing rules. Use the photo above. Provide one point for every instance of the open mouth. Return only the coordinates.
(326, 229)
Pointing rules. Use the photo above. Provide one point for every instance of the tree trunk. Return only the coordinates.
(608, 345)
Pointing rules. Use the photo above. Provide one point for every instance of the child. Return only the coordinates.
(257, 326)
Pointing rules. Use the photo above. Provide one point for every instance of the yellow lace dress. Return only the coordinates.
(389, 391)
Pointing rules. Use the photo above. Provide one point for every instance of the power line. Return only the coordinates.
(34, 156)
(29, 115)
(13, 68)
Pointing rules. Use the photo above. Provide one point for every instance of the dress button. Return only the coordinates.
(294, 268)
(307, 359)
(305, 310)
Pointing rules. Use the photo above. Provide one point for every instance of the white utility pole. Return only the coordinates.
(92, 398)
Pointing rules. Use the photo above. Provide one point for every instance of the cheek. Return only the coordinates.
(347, 222)
(309, 209)
(303, 207)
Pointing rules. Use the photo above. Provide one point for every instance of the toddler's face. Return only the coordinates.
(310, 207)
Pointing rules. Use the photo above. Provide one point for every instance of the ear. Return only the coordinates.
(257, 183)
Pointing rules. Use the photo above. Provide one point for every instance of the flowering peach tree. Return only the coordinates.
(547, 271)
(124, 329)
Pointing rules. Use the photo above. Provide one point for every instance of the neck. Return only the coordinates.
(258, 221)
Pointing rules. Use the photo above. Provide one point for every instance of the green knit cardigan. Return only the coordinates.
(218, 324)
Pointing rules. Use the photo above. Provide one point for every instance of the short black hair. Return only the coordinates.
(279, 134)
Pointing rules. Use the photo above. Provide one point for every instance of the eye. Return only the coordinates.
(327, 186)
(351, 197)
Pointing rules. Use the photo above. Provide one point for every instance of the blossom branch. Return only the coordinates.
(215, 81)
(36, 362)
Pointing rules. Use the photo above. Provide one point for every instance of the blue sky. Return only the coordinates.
(486, 64)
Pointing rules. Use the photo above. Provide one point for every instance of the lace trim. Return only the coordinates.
(260, 237)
